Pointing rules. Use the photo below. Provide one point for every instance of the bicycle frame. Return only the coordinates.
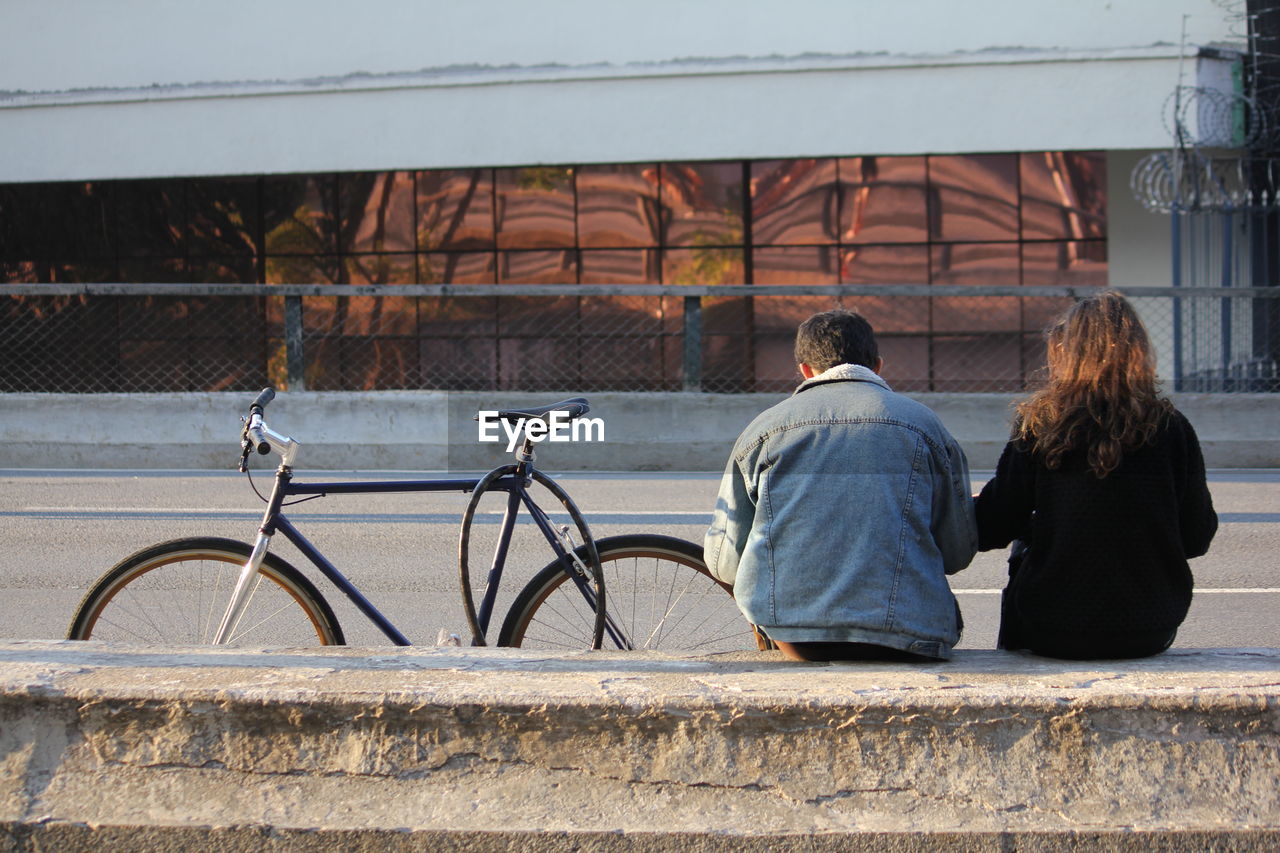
(515, 482)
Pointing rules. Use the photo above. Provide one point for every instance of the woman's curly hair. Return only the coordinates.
(1101, 394)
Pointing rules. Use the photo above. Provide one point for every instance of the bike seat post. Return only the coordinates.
(525, 456)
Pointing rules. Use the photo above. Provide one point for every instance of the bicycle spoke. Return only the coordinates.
(173, 593)
(264, 620)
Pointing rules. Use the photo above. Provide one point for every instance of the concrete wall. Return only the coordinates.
(485, 750)
(412, 430)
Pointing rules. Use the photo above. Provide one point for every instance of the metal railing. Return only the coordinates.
(86, 338)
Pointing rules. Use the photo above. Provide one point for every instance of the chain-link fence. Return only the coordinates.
(581, 338)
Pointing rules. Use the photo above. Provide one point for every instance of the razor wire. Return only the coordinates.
(584, 338)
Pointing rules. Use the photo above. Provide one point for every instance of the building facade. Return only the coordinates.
(570, 143)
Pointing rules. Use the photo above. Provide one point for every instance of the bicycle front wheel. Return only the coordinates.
(175, 593)
(660, 595)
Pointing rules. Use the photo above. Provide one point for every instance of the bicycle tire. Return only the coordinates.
(586, 552)
(175, 592)
(661, 596)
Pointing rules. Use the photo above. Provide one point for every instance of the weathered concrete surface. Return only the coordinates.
(483, 749)
(435, 430)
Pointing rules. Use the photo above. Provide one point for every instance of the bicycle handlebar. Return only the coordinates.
(255, 436)
(266, 395)
(253, 428)
(262, 438)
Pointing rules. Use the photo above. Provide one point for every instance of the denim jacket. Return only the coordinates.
(841, 512)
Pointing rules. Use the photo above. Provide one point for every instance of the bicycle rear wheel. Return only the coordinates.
(660, 596)
(175, 593)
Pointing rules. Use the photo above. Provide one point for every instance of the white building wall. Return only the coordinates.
(151, 88)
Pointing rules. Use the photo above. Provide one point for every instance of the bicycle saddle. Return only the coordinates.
(576, 407)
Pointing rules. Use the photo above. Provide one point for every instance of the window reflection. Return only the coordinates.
(459, 364)
(222, 316)
(537, 267)
(775, 368)
(457, 315)
(791, 265)
(636, 266)
(708, 266)
(149, 218)
(152, 270)
(535, 363)
(457, 268)
(610, 362)
(380, 269)
(884, 265)
(537, 315)
(1065, 263)
(160, 364)
(976, 264)
(888, 265)
(222, 218)
(702, 203)
(1064, 195)
(906, 361)
(796, 265)
(377, 317)
(61, 222)
(1035, 218)
(727, 363)
(455, 209)
(377, 212)
(300, 214)
(977, 363)
(618, 206)
(793, 202)
(361, 364)
(1068, 263)
(305, 269)
(973, 197)
(728, 315)
(385, 315)
(620, 315)
(535, 207)
(883, 200)
(84, 272)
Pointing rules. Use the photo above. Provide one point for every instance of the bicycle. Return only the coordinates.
(226, 592)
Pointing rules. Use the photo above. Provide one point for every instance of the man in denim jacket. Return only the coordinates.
(842, 510)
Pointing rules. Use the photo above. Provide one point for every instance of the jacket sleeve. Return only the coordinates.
(1005, 504)
(1197, 520)
(730, 524)
(954, 529)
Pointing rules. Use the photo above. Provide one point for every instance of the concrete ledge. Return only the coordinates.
(484, 749)
(430, 430)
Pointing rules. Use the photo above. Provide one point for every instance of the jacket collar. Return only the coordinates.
(844, 373)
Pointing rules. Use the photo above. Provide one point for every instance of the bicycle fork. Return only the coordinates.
(240, 595)
(249, 572)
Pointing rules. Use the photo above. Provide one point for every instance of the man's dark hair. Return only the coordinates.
(836, 337)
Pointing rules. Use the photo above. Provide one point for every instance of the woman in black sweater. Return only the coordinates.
(1102, 492)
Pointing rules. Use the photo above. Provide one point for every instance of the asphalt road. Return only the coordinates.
(62, 529)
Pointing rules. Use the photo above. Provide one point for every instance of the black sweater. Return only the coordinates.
(1107, 556)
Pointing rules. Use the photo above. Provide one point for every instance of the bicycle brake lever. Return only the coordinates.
(246, 446)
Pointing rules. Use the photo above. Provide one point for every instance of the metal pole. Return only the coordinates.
(295, 359)
(1228, 257)
(693, 343)
(1176, 238)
